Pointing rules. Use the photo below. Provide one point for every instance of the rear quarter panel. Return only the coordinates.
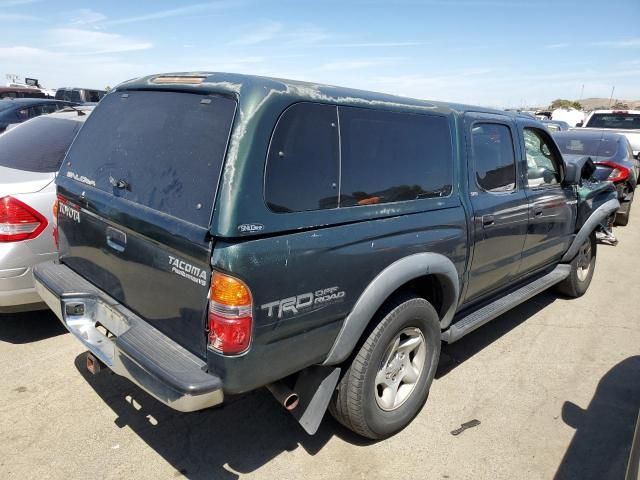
(334, 263)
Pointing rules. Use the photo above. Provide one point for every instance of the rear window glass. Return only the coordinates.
(302, 167)
(597, 147)
(92, 95)
(38, 145)
(165, 148)
(620, 121)
(391, 157)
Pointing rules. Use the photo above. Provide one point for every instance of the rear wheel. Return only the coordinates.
(388, 380)
(582, 268)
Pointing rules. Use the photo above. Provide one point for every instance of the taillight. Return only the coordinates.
(230, 315)
(18, 221)
(618, 173)
(56, 238)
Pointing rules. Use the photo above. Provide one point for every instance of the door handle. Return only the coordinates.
(537, 211)
(488, 220)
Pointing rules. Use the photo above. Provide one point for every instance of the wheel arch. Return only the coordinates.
(600, 214)
(431, 275)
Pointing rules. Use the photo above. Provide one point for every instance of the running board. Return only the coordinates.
(487, 313)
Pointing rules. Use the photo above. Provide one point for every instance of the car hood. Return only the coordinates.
(14, 181)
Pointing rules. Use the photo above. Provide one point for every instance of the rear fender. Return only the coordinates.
(384, 285)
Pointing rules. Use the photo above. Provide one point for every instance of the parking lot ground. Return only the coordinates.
(555, 384)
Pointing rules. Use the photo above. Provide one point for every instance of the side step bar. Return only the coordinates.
(487, 313)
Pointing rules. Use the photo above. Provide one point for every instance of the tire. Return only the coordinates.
(582, 268)
(364, 400)
(622, 215)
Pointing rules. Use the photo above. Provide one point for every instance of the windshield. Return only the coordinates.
(596, 147)
(38, 145)
(620, 121)
(163, 150)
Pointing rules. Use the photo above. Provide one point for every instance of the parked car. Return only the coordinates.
(30, 155)
(18, 110)
(624, 122)
(21, 92)
(220, 233)
(80, 95)
(555, 125)
(613, 158)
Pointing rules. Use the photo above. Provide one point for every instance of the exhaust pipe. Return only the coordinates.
(285, 396)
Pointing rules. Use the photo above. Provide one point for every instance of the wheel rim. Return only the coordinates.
(401, 367)
(584, 261)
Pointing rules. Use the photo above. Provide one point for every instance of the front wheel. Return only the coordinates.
(582, 268)
(388, 380)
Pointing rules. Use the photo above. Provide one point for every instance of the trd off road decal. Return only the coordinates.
(303, 302)
(188, 271)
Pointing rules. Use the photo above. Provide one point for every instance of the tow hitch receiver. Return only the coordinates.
(93, 364)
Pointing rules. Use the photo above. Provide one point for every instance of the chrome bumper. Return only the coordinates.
(133, 348)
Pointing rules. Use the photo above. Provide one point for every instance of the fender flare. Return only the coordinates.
(387, 282)
(600, 213)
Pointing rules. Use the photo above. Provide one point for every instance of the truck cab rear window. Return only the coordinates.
(365, 157)
(163, 150)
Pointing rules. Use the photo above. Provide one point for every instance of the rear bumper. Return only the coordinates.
(133, 349)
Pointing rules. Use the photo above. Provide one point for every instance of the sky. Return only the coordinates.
(500, 53)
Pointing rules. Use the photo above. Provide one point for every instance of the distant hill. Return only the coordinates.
(603, 103)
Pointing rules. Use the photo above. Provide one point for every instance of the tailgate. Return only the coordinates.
(137, 190)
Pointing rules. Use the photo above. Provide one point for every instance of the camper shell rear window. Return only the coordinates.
(160, 149)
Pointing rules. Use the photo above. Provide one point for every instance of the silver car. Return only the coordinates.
(30, 155)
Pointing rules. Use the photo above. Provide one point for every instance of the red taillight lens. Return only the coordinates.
(230, 315)
(618, 174)
(18, 221)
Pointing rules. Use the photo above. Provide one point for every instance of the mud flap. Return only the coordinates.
(315, 386)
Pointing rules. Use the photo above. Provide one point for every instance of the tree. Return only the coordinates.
(620, 106)
(563, 103)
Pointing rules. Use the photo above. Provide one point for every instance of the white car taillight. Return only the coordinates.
(18, 221)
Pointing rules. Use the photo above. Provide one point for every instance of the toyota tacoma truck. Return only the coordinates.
(220, 233)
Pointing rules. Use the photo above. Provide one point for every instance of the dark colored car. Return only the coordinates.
(613, 157)
(21, 92)
(80, 95)
(220, 233)
(13, 111)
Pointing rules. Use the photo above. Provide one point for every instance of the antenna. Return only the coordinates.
(611, 97)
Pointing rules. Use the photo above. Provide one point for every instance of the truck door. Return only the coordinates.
(552, 206)
(500, 208)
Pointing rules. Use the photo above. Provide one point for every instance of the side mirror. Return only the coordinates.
(579, 124)
(571, 174)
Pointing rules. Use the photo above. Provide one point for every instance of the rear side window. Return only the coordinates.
(165, 148)
(302, 166)
(391, 157)
(366, 157)
(38, 145)
(493, 157)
